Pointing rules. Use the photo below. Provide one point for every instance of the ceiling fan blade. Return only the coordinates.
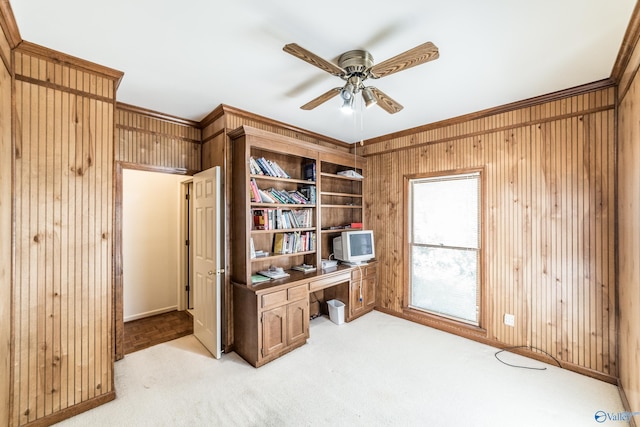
(385, 102)
(321, 99)
(313, 59)
(418, 55)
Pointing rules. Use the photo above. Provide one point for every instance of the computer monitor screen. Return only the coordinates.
(354, 247)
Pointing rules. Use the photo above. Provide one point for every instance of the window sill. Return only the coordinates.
(442, 323)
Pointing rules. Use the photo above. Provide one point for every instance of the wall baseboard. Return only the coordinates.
(150, 313)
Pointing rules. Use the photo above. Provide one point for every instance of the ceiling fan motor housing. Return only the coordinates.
(356, 62)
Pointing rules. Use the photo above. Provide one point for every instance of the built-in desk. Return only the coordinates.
(272, 318)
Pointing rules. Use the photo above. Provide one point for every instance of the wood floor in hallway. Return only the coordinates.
(143, 333)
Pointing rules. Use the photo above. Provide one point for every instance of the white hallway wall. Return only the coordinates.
(150, 251)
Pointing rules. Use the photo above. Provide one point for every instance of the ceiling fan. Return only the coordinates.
(356, 66)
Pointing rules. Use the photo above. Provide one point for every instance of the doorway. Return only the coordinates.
(151, 265)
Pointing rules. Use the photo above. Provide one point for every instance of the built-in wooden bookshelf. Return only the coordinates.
(341, 198)
(310, 199)
(332, 201)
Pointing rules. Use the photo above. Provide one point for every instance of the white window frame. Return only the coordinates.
(444, 176)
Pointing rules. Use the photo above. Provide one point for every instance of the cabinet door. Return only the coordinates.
(356, 297)
(273, 330)
(369, 292)
(297, 321)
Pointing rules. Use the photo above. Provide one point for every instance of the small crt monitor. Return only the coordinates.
(354, 247)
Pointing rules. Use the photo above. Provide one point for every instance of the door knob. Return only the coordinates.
(210, 273)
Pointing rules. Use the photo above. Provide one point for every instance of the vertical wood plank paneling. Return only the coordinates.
(63, 243)
(144, 139)
(628, 176)
(6, 226)
(548, 236)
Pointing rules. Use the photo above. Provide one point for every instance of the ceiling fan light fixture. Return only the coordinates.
(347, 92)
(369, 97)
(347, 105)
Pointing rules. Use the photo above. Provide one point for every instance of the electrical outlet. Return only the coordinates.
(509, 319)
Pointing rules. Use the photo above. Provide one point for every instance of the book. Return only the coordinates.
(304, 268)
(260, 220)
(309, 192)
(259, 278)
(309, 171)
(255, 194)
(279, 244)
(274, 273)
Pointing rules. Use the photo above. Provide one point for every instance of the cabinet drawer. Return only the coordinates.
(273, 299)
(326, 282)
(299, 292)
(365, 271)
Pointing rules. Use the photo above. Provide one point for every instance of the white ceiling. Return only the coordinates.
(185, 58)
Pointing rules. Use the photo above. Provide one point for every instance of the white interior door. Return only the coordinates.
(207, 266)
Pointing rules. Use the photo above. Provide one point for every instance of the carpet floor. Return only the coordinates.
(375, 371)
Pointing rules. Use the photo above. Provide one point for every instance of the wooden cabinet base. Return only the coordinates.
(270, 324)
(270, 321)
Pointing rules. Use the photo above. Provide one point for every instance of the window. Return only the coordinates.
(444, 246)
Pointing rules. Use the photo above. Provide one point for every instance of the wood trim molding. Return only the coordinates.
(62, 88)
(530, 102)
(8, 24)
(161, 134)
(625, 404)
(72, 411)
(489, 131)
(71, 61)
(214, 135)
(236, 111)
(157, 115)
(629, 43)
(212, 116)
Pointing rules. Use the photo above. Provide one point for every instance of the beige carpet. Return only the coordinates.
(375, 371)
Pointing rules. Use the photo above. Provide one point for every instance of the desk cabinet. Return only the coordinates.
(285, 327)
(271, 320)
(362, 292)
(270, 323)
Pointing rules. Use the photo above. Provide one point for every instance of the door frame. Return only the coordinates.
(118, 300)
(186, 233)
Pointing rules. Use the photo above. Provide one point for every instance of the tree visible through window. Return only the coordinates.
(444, 246)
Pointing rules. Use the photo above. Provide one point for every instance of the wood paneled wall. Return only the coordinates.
(62, 303)
(549, 231)
(6, 223)
(152, 139)
(629, 229)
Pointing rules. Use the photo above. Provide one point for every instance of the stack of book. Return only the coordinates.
(274, 219)
(289, 243)
(262, 166)
(306, 268)
(273, 195)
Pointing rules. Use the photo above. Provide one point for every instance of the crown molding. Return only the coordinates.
(530, 102)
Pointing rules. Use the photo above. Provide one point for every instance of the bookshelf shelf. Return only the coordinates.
(343, 207)
(284, 206)
(280, 256)
(282, 230)
(278, 179)
(354, 195)
(336, 176)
